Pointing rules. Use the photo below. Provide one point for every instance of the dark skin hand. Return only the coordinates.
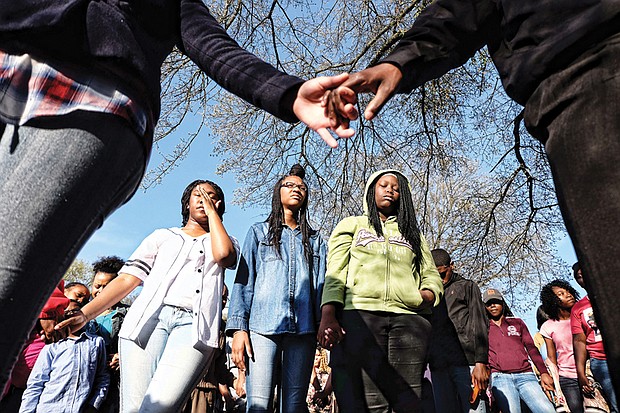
(382, 80)
(48, 333)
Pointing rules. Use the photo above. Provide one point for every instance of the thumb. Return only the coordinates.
(376, 104)
(331, 82)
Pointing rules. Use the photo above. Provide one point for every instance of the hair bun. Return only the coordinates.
(298, 170)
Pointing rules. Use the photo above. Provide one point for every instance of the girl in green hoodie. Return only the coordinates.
(380, 286)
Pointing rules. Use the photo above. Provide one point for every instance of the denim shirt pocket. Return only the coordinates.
(267, 252)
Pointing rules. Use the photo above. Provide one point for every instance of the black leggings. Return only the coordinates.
(378, 366)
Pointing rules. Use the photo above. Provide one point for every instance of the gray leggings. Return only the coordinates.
(60, 178)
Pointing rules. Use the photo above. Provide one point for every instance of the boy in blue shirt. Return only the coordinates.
(70, 376)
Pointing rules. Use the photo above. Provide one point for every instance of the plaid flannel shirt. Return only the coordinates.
(30, 89)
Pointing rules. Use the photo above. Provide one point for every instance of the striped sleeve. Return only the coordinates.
(141, 261)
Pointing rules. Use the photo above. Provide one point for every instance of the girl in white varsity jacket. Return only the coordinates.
(170, 332)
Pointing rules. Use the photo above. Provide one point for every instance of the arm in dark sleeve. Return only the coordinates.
(222, 374)
(480, 324)
(531, 348)
(240, 72)
(444, 36)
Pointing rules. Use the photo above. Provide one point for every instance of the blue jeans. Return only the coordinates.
(452, 390)
(600, 371)
(378, 366)
(60, 178)
(509, 389)
(285, 360)
(160, 376)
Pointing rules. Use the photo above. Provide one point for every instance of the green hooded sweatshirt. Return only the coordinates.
(368, 272)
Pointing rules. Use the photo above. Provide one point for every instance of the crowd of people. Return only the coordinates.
(373, 320)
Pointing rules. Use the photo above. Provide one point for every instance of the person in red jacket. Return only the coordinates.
(510, 349)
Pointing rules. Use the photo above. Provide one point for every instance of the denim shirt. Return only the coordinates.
(277, 294)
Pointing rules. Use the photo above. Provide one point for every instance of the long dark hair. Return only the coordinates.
(276, 217)
(187, 193)
(406, 218)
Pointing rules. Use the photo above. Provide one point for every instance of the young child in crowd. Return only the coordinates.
(510, 350)
(70, 376)
(78, 292)
(108, 325)
(380, 286)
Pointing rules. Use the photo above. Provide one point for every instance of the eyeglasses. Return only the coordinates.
(291, 185)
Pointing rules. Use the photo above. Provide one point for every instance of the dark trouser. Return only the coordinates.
(59, 178)
(378, 366)
(572, 393)
(576, 114)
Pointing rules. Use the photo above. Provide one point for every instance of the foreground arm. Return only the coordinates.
(114, 292)
(581, 355)
(240, 72)
(444, 36)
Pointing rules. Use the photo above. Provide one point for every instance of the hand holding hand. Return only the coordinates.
(73, 323)
(428, 299)
(309, 107)
(240, 384)
(382, 80)
(48, 332)
(547, 382)
(240, 347)
(114, 362)
(480, 376)
(586, 387)
(330, 333)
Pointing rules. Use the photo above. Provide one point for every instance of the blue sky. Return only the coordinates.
(159, 206)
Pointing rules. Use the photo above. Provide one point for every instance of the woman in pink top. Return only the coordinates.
(558, 297)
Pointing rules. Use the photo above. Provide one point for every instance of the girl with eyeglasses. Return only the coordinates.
(275, 301)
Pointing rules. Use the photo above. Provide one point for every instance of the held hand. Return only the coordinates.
(115, 362)
(547, 382)
(382, 80)
(480, 376)
(240, 384)
(74, 323)
(309, 107)
(240, 347)
(586, 387)
(330, 333)
(48, 332)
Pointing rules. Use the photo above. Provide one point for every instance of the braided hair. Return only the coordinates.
(276, 217)
(406, 217)
(187, 193)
